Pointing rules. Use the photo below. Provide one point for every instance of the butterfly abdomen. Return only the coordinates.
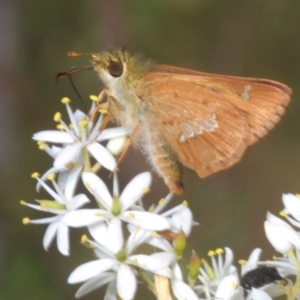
(164, 160)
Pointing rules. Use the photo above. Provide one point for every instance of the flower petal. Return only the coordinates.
(182, 291)
(45, 220)
(68, 156)
(53, 136)
(52, 151)
(102, 155)
(99, 232)
(95, 283)
(141, 261)
(137, 237)
(77, 116)
(111, 133)
(292, 205)
(95, 128)
(227, 287)
(224, 269)
(145, 220)
(177, 271)
(91, 269)
(45, 175)
(237, 294)
(126, 282)
(182, 220)
(160, 243)
(50, 234)
(280, 234)
(252, 261)
(277, 238)
(34, 206)
(159, 260)
(77, 202)
(115, 235)
(98, 188)
(50, 191)
(116, 145)
(135, 189)
(71, 180)
(260, 295)
(63, 239)
(84, 217)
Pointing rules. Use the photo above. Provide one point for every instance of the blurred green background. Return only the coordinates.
(243, 38)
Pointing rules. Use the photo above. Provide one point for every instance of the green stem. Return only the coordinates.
(86, 160)
(293, 290)
(292, 256)
(96, 168)
(146, 279)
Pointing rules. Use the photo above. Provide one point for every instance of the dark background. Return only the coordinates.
(243, 38)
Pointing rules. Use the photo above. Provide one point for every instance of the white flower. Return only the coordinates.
(116, 145)
(228, 288)
(258, 294)
(211, 276)
(61, 207)
(180, 218)
(117, 205)
(180, 289)
(78, 142)
(281, 235)
(116, 263)
(156, 240)
(292, 207)
(252, 262)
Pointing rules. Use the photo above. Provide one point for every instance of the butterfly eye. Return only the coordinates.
(115, 68)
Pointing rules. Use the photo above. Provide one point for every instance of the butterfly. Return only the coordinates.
(187, 118)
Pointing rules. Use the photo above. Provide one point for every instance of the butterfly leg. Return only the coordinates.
(101, 106)
(127, 145)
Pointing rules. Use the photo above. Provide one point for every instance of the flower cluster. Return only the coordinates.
(286, 240)
(120, 223)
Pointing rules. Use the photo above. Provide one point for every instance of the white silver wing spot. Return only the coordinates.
(245, 94)
(212, 123)
(198, 126)
(197, 129)
(188, 132)
(208, 125)
(182, 138)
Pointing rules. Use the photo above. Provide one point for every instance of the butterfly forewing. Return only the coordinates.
(204, 129)
(261, 101)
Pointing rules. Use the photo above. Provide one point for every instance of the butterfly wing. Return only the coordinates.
(207, 132)
(262, 102)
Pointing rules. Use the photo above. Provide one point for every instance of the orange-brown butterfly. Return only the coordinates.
(183, 117)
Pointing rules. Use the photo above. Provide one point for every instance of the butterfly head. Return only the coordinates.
(118, 66)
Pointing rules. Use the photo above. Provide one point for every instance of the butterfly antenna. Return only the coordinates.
(69, 74)
(76, 54)
(74, 70)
